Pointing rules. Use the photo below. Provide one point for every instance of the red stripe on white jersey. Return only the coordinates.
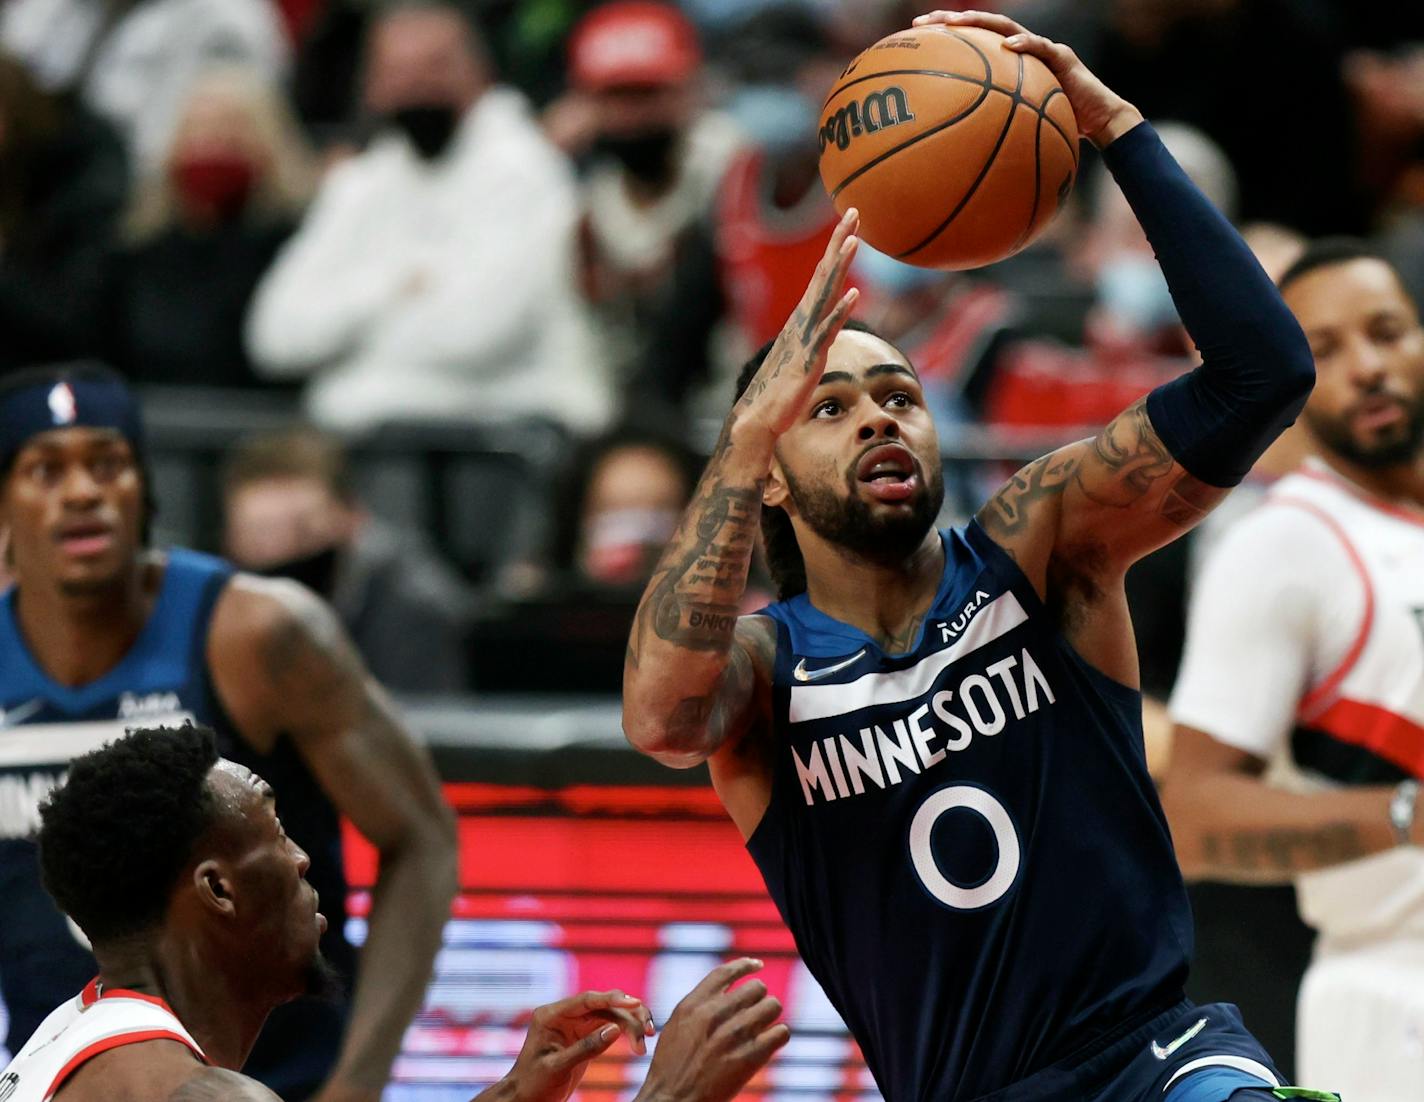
(1387, 734)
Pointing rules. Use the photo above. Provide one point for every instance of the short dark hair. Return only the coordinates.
(783, 553)
(82, 370)
(117, 834)
(1326, 252)
(302, 452)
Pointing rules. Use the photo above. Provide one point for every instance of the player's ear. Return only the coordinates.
(774, 491)
(214, 888)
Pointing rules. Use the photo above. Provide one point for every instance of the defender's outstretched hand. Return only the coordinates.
(1103, 115)
(794, 366)
(563, 1037)
(717, 1039)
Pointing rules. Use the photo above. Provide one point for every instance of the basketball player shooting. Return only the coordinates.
(173, 861)
(932, 744)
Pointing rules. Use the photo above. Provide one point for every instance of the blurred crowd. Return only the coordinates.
(418, 215)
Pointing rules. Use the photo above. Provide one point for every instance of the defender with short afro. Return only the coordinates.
(117, 834)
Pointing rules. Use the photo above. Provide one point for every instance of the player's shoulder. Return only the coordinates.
(270, 622)
(150, 1068)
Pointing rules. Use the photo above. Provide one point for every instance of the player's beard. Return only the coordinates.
(847, 521)
(1403, 446)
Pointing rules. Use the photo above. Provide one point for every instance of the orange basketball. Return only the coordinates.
(957, 150)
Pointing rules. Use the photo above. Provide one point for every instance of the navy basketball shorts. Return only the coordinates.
(1186, 1054)
(1197, 1054)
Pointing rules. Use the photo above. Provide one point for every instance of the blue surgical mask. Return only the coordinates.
(776, 117)
(1132, 288)
(893, 277)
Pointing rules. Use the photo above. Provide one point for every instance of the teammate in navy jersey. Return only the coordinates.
(933, 743)
(100, 633)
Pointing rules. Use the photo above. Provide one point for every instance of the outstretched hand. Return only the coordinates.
(563, 1037)
(717, 1039)
(1102, 114)
(793, 367)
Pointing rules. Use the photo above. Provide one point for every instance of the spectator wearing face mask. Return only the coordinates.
(132, 61)
(741, 277)
(433, 278)
(655, 156)
(621, 499)
(204, 230)
(290, 510)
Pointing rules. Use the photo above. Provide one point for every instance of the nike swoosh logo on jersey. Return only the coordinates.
(801, 673)
(20, 712)
(1162, 1053)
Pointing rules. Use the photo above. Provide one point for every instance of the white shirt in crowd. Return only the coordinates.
(1305, 648)
(438, 290)
(137, 71)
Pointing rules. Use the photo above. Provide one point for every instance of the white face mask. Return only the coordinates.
(619, 543)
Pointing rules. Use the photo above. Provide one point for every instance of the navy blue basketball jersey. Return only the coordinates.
(162, 680)
(965, 841)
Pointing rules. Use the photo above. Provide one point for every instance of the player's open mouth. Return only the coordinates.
(888, 472)
(85, 539)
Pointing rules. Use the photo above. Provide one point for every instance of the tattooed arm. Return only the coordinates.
(694, 671)
(1096, 507)
(1229, 824)
(283, 665)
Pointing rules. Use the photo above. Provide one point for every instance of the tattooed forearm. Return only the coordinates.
(1282, 850)
(694, 597)
(1008, 511)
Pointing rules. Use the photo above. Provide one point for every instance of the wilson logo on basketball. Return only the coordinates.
(878, 111)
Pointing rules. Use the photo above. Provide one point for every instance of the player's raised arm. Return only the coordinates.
(1158, 468)
(693, 667)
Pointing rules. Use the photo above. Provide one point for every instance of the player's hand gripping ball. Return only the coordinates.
(957, 150)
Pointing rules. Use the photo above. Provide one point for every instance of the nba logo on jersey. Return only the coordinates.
(62, 406)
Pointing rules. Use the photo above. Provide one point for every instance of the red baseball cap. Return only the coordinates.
(632, 42)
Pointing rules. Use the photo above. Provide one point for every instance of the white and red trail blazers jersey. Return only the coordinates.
(1305, 645)
(92, 1022)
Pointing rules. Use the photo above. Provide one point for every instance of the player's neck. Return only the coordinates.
(78, 637)
(1401, 484)
(221, 1009)
(886, 600)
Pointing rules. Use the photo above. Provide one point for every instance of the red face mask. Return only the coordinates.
(215, 183)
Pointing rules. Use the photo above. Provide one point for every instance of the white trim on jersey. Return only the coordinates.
(1225, 1060)
(997, 618)
(60, 743)
(82, 1028)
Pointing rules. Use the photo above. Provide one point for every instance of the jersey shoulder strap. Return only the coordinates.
(92, 1023)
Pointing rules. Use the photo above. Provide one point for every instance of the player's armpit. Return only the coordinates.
(697, 727)
(220, 1085)
(1023, 517)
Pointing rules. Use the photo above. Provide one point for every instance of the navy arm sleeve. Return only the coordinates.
(1257, 369)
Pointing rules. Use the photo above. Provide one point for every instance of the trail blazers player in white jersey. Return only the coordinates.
(1299, 709)
(174, 863)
